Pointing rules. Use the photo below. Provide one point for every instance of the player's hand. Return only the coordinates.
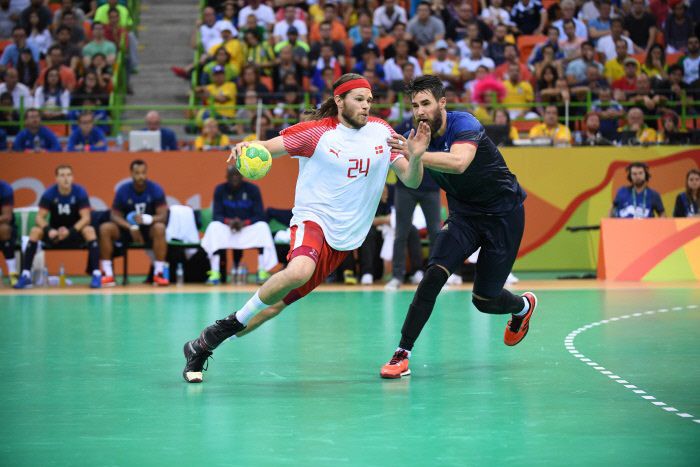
(53, 235)
(397, 143)
(236, 224)
(418, 140)
(236, 152)
(62, 233)
(138, 219)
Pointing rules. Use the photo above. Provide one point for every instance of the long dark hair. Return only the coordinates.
(688, 192)
(329, 108)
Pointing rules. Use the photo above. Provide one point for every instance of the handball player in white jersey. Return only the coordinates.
(347, 158)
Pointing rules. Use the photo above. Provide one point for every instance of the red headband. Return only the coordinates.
(350, 85)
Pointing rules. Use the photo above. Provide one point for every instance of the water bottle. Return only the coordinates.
(1, 278)
(243, 274)
(578, 138)
(166, 271)
(61, 276)
(234, 275)
(120, 142)
(45, 277)
(180, 274)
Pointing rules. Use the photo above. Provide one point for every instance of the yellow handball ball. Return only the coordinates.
(254, 162)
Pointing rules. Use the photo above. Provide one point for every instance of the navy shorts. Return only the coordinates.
(499, 238)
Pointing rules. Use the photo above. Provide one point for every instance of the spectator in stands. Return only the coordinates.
(40, 38)
(258, 52)
(8, 228)
(670, 132)
(221, 59)
(221, 94)
(250, 80)
(614, 68)
(610, 112)
(576, 70)
(211, 138)
(388, 43)
(644, 97)
(660, 9)
(280, 31)
(51, 98)
(9, 117)
(627, 83)
(90, 88)
(636, 132)
(233, 46)
(690, 62)
(330, 15)
(529, 17)
(99, 44)
(393, 67)
(21, 95)
(637, 200)
(27, 69)
(251, 24)
(599, 26)
(570, 44)
(10, 55)
(300, 49)
(102, 70)
(71, 52)
(102, 13)
(56, 59)
(263, 13)
(168, 140)
(286, 66)
(678, 29)
(38, 7)
(441, 65)
(495, 15)
(209, 35)
(688, 202)
(591, 131)
(640, 26)
(238, 223)
(501, 117)
(552, 42)
(139, 215)
(457, 24)
(9, 15)
(511, 58)
(608, 44)
(356, 34)
(87, 137)
(549, 58)
(324, 61)
(546, 89)
(496, 48)
(370, 61)
(35, 137)
(468, 66)
(654, 64)
(337, 47)
(387, 15)
(77, 33)
(66, 6)
(519, 95)
(593, 83)
(568, 10)
(119, 28)
(424, 27)
(551, 128)
(63, 219)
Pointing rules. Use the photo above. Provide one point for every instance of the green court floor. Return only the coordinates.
(96, 380)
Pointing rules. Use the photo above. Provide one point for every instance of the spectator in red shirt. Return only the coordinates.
(628, 83)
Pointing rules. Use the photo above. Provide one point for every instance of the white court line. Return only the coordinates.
(571, 348)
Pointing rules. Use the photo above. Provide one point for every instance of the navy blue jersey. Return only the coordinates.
(64, 209)
(487, 187)
(630, 204)
(244, 203)
(147, 201)
(7, 198)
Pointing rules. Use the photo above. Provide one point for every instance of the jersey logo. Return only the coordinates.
(379, 149)
(335, 152)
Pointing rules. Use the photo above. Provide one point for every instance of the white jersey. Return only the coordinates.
(342, 179)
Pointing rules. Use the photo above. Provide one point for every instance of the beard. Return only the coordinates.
(434, 123)
(639, 183)
(355, 123)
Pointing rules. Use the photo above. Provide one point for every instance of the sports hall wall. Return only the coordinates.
(566, 187)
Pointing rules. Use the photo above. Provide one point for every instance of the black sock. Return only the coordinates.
(8, 249)
(29, 255)
(93, 256)
(237, 255)
(422, 306)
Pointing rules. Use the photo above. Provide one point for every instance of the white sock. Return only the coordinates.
(107, 267)
(26, 273)
(158, 267)
(250, 309)
(215, 262)
(11, 265)
(526, 308)
(399, 349)
(97, 272)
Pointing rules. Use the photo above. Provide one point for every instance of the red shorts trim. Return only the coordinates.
(308, 240)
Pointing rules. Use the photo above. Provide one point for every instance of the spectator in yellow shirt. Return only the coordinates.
(615, 68)
(440, 65)
(551, 128)
(636, 131)
(221, 93)
(232, 45)
(211, 138)
(519, 94)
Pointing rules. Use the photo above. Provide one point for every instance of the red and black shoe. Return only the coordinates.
(517, 328)
(397, 366)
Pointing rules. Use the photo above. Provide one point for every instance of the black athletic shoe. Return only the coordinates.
(196, 357)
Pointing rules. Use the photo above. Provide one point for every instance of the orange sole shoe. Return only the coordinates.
(396, 368)
(108, 281)
(514, 336)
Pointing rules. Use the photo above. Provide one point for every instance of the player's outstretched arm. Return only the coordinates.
(411, 172)
(274, 145)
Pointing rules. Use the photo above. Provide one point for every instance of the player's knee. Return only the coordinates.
(487, 305)
(432, 283)
(106, 229)
(158, 229)
(299, 272)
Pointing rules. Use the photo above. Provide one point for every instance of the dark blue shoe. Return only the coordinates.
(23, 282)
(96, 281)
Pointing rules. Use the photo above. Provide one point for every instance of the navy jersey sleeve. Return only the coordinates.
(218, 211)
(119, 203)
(82, 199)
(158, 196)
(656, 203)
(45, 200)
(7, 196)
(467, 130)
